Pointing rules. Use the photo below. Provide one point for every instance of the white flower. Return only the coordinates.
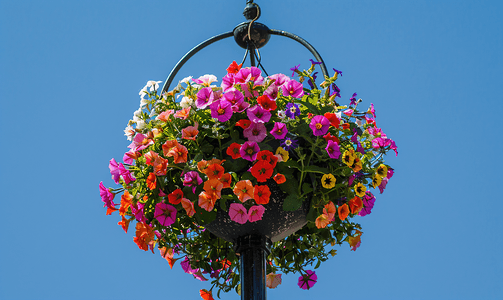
(137, 114)
(143, 103)
(186, 80)
(142, 93)
(186, 102)
(140, 124)
(207, 80)
(359, 122)
(281, 114)
(153, 85)
(129, 132)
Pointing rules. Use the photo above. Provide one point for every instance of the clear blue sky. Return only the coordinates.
(70, 73)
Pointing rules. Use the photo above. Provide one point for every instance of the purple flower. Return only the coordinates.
(292, 110)
(228, 82)
(353, 100)
(368, 204)
(256, 132)
(279, 130)
(114, 170)
(307, 280)
(315, 62)
(165, 214)
(333, 149)
(279, 79)
(106, 196)
(204, 97)
(295, 69)
(137, 210)
(292, 88)
(234, 97)
(221, 110)
(311, 84)
(289, 144)
(393, 146)
(383, 184)
(338, 72)
(380, 142)
(249, 150)
(192, 179)
(336, 89)
(319, 125)
(258, 114)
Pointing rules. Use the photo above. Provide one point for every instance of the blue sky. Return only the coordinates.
(69, 79)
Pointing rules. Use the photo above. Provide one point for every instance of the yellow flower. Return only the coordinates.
(328, 181)
(357, 164)
(284, 154)
(376, 180)
(360, 189)
(348, 157)
(382, 171)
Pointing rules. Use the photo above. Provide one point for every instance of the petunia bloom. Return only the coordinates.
(206, 295)
(255, 213)
(266, 103)
(258, 114)
(237, 213)
(319, 125)
(333, 149)
(328, 181)
(355, 205)
(261, 194)
(249, 150)
(165, 214)
(292, 88)
(272, 280)
(106, 196)
(289, 144)
(206, 201)
(192, 179)
(244, 190)
(188, 206)
(204, 97)
(292, 110)
(307, 280)
(279, 178)
(190, 132)
(221, 110)
(279, 130)
(343, 211)
(175, 197)
(262, 170)
(256, 132)
(233, 150)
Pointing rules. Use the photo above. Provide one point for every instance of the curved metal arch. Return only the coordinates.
(216, 38)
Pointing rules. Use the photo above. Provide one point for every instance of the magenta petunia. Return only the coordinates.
(307, 280)
(255, 213)
(221, 110)
(106, 196)
(165, 214)
(237, 213)
(233, 96)
(245, 75)
(333, 149)
(249, 150)
(204, 97)
(256, 132)
(368, 203)
(258, 114)
(319, 124)
(279, 130)
(126, 175)
(292, 88)
(137, 210)
(192, 179)
(114, 170)
(228, 82)
(138, 143)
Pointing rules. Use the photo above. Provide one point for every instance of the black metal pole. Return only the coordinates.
(253, 250)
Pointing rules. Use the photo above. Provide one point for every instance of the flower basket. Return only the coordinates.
(275, 157)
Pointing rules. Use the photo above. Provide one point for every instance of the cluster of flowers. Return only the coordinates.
(221, 147)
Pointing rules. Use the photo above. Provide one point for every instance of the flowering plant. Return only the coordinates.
(223, 147)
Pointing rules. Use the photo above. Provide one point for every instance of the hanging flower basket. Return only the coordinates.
(276, 156)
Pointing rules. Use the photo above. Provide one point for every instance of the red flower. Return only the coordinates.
(243, 123)
(343, 211)
(279, 178)
(233, 150)
(214, 171)
(266, 103)
(234, 67)
(262, 193)
(355, 204)
(330, 137)
(267, 156)
(175, 197)
(262, 170)
(151, 181)
(334, 121)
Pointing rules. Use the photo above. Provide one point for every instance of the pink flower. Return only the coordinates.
(249, 150)
(319, 124)
(256, 132)
(140, 142)
(255, 213)
(228, 82)
(292, 88)
(205, 80)
(246, 75)
(233, 96)
(126, 175)
(106, 196)
(273, 280)
(192, 179)
(307, 280)
(137, 210)
(165, 214)
(348, 112)
(221, 110)
(258, 114)
(164, 116)
(333, 149)
(279, 131)
(237, 213)
(204, 97)
(114, 170)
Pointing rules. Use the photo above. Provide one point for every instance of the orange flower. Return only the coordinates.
(164, 116)
(150, 157)
(207, 202)
(262, 193)
(214, 171)
(124, 223)
(329, 210)
(233, 150)
(168, 253)
(190, 132)
(202, 165)
(244, 190)
(357, 165)
(110, 210)
(355, 204)
(168, 145)
(213, 188)
(206, 295)
(234, 67)
(345, 126)
(226, 180)
(322, 221)
(179, 154)
(175, 197)
(343, 211)
(151, 181)
(355, 240)
(188, 206)
(262, 170)
(126, 201)
(183, 114)
(160, 166)
(279, 178)
(144, 236)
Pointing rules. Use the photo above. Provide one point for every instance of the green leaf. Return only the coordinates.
(313, 109)
(316, 169)
(306, 188)
(292, 202)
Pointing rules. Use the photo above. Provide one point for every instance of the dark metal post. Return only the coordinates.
(253, 250)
